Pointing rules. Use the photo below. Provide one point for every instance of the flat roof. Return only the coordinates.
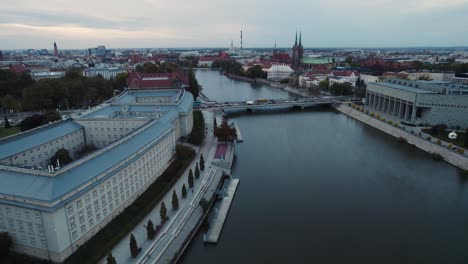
(404, 88)
(30, 185)
(35, 137)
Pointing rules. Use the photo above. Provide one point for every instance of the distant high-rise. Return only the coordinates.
(56, 53)
(1, 55)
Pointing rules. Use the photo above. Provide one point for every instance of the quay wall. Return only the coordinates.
(427, 146)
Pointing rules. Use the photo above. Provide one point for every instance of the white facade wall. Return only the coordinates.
(40, 155)
(102, 132)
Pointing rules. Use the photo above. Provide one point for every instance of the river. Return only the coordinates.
(319, 187)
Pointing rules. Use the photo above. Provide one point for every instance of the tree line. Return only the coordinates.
(21, 93)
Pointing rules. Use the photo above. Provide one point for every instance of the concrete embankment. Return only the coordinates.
(448, 155)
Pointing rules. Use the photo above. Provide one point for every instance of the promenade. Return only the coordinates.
(181, 222)
(456, 159)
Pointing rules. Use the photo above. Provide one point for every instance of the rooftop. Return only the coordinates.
(34, 137)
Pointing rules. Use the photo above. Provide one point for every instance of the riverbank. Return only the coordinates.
(270, 83)
(449, 156)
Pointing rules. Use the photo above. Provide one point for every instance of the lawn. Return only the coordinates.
(5, 132)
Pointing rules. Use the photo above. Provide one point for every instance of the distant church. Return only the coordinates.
(297, 53)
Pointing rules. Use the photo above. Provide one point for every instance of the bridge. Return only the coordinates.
(274, 103)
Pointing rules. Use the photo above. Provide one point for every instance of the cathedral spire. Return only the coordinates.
(300, 37)
(295, 42)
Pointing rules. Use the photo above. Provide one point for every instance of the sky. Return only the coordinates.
(214, 23)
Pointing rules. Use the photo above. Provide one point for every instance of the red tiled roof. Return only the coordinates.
(17, 68)
(345, 73)
(137, 80)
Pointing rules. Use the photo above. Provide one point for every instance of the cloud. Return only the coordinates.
(213, 23)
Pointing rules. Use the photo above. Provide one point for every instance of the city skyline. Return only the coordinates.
(176, 24)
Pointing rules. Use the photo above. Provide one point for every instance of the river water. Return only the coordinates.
(319, 187)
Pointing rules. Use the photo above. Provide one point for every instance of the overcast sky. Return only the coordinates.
(214, 23)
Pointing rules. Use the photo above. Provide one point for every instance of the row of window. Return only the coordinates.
(96, 205)
(445, 105)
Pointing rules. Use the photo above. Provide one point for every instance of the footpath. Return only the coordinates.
(179, 229)
(450, 156)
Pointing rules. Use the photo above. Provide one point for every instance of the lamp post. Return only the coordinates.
(452, 136)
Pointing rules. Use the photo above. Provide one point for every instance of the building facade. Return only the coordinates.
(424, 103)
(51, 212)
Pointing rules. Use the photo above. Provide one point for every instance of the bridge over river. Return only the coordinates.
(273, 103)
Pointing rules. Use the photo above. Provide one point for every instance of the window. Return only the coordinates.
(70, 209)
(81, 217)
(72, 222)
(96, 206)
(87, 199)
(74, 235)
(78, 204)
(91, 222)
(89, 211)
(98, 217)
(83, 228)
(94, 194)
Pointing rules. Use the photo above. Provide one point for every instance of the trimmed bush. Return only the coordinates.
(428, 138)
(372, 114)
(377, 116)
(450, 146)
(439, 142)
(390, 122)
(367, 112)
(461, 151)
(384, 120)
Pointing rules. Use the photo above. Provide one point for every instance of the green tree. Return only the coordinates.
(256, 72)
(163, 212)
(5, 244)
(194, 86)
(323, 85)
(224, 132)
(150, 233)
(120, 80)
(184, 191)
(7, 122)
(183, 152)
(133, 246)
(63, 156)
(190, 179)
(111, 259)
(466, 138)
(202, 163)
(175, 201)
(197, 171)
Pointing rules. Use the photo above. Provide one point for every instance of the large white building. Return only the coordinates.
(279, 72)
(51, 212)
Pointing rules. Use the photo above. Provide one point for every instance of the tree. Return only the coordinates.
(7, 122)
(163, 212)
(466, 138)
(184, 152)
(197, 171)
(175, 201)
(150, 233)
(225, 132)
(184, 191)
(324, 85)
(62, 155)
(194, 86)
(202, 163)
(190, 179)
(111, 259)
(133, 246)
(5, 244)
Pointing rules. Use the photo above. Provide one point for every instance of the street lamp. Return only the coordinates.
(452, 136)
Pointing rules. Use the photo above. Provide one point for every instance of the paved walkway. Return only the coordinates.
(460, 161)
(121, 251)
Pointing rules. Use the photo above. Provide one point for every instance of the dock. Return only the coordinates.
(238, 133)
(212, 236)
